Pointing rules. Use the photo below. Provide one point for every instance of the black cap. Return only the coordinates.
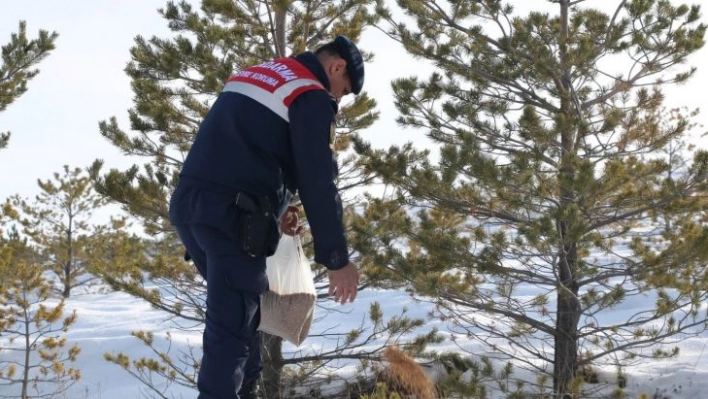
(355, 62)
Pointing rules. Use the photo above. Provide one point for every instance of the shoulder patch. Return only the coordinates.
(275, 84)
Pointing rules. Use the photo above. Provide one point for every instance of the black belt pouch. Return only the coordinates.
(257, 225)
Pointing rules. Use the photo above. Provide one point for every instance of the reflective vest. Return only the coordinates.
(275, 84)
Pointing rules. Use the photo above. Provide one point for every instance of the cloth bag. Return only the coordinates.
(287, 308)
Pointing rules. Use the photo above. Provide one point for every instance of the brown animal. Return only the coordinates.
(405, 376)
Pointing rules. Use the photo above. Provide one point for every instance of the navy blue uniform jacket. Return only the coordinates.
(243, 144)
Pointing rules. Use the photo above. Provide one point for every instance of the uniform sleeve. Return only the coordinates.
(311, 115)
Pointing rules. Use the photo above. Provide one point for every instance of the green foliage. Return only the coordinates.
(19, 57)
(36, 356)
(137, 265)
(473, 378)
(58, 224)
(557, 168)
(181, 368)
(382, 392)
(6, 212)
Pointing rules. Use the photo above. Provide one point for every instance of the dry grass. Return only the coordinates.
(406, 377)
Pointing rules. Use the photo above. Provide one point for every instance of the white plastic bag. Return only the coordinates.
(287, 308)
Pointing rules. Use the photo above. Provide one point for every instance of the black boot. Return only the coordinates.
(250, 390)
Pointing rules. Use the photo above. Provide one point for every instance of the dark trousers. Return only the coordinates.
(232, 344)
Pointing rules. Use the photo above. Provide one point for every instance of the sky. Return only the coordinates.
(55, 122)
(82, 83)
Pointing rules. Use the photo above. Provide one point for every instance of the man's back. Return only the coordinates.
(244, 141)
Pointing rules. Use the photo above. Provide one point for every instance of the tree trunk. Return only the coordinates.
(568, 308)
(280, 22)
(67, 280)
(28, 350)
(69, 259)
(566, 338)
(272, 365)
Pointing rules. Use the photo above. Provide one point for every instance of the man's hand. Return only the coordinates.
(289, 221)
(343, 283)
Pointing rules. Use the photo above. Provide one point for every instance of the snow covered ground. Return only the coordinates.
(106, 321)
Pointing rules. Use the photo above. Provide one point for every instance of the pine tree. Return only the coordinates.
(36, 356)
(5, 253)
(175, 80)
(19, 56)
(58, 222)
(558, 192)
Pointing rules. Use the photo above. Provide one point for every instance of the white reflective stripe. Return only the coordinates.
(261, 95)
(274, 101)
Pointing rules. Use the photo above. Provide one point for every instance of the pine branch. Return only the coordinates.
(488, 307)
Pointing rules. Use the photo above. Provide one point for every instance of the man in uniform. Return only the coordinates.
(266, 137)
